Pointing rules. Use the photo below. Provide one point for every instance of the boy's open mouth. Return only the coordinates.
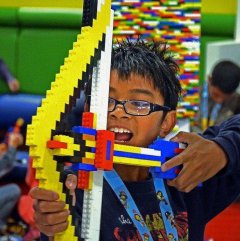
(121, 134)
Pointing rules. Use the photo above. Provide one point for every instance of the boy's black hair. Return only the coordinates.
(226, 76)
(150, 60)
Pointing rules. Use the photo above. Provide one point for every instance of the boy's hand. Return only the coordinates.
(201, 160)
(50, 213)
(15, 140)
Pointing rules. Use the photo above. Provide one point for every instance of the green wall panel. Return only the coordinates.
(8, 42)
(40, 54)
(204, 41)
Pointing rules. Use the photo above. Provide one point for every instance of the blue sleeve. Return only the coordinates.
(227, 135)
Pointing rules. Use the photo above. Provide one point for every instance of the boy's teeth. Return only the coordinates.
(119, 130)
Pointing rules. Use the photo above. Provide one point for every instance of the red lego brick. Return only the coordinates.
(178, 150)
(87, 119)
(83, 180)
(56, 144)
(104, 150)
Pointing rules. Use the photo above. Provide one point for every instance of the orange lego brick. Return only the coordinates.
(87, 161)
(88, 137)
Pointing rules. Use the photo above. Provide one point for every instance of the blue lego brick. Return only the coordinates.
(93, 150)
(167, 148)
(84, 167)
(84, 130)
(170, 174)
(108, 154)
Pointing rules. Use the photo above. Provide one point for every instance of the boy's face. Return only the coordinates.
(137, 130)
(216, 94)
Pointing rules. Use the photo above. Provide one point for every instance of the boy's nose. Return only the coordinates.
(119, 112)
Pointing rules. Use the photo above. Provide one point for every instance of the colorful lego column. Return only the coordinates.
(174, 21)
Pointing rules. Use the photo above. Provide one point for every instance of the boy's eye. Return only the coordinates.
(139, 104)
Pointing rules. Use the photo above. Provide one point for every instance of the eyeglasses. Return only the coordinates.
(136, 107)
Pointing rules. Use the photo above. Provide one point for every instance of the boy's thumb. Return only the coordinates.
(71, 182)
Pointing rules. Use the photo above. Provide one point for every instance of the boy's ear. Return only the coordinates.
(168, 123)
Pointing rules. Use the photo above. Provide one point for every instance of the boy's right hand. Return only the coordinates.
(50, 213)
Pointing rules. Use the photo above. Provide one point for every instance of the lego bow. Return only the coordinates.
(93, 44)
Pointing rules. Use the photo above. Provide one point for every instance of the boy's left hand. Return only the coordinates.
(201, 160)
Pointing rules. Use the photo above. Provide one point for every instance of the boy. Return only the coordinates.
(223, 101)
(143, 95)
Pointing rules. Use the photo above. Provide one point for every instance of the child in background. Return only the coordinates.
(222, 100)
(10, 193)
(143, 95)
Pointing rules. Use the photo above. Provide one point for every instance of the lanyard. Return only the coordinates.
(122, 192)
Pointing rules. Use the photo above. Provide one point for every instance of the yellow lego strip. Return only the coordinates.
(91, 143)
(132, 149)
(90, 180)
(90, 155)
(135, 162)
(39, 132)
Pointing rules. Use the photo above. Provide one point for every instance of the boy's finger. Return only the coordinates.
(52, 230)
(175, 161)
(52, 218)
(43, 194)
(185, 181)
(186, 188)
(71, 182)
(186, 137)
(48, 207)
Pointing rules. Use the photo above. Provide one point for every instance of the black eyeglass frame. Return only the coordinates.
(153, 107)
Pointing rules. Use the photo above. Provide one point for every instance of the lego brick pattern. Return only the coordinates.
(174, 21)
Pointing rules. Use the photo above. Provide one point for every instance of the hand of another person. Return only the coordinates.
(201, 160)
(15, 140)
(14, 85)
(50, 213)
